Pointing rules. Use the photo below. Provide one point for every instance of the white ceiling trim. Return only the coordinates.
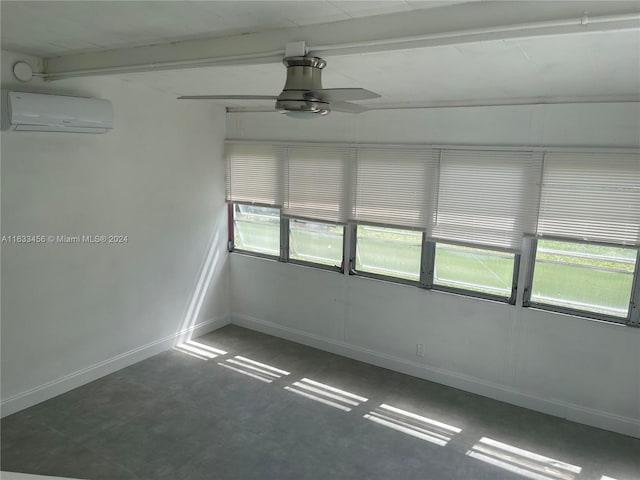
(466, 23)
(448, 146)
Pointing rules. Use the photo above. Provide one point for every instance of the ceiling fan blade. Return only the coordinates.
(250, 109)
(228, 97)
(339, 94)
(348, 107)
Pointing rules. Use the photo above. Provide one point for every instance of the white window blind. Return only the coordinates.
(315, 185)
(255, 174)
(394, 187)
(487, 198)
(591, 196)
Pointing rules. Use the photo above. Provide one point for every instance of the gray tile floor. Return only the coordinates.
(180, 416)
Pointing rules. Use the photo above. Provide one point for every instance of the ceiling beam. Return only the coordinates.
(457, 24)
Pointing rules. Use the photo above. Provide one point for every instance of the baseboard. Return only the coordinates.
(27, 476)
(576, 413)
(51, 389)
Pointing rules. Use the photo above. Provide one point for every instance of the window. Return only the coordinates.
(256, 229)
(388, 252)
(588, 200)
(254, 174)
(479, 270)
(589, 278)
(450, 218)
(487, 198)
(315, 183)
(591, 198)
(394, 187)
(315, 242)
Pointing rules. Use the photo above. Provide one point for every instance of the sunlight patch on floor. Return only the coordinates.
(258, 370)
(323, 393)
(412, 424)
(522, 462)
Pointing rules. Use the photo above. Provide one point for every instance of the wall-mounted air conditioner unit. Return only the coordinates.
(36, 112)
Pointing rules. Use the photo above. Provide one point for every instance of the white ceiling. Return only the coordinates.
(568, 65)
(52, 28)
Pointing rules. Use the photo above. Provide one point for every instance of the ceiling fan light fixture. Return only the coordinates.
(304, 115)
(303, 107)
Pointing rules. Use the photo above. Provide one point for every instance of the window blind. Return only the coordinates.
(315, 183)
(487, 198)
(592, 197)
(394, 187)
(255, 174)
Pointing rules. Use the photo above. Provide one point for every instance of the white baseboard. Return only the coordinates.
(48, 390)
(27, 476)
(558, 408)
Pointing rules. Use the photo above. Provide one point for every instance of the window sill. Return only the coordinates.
(473, 294)
(385, 278)
(317, 266)
(579, 314)
(247, 253)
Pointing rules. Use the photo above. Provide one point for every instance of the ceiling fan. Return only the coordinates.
(303, 95)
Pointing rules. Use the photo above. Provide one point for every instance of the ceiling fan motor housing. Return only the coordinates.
(303, 74)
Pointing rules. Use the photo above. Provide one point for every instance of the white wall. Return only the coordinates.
(580, 369)
(73, 312)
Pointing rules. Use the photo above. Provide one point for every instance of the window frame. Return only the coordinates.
(231, 247)
(634, 306)
(286, 232)
(283, 256)
(427, 269)
(522, 261)
(353, 227)
(633, 315)
(510, 299)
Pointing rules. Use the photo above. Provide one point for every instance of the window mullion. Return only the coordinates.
(634, 305)
(427, 262)
(530, 263)
(346, 253)
(353, 242)
(284, 239)
(514, 282)
(230, 225)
